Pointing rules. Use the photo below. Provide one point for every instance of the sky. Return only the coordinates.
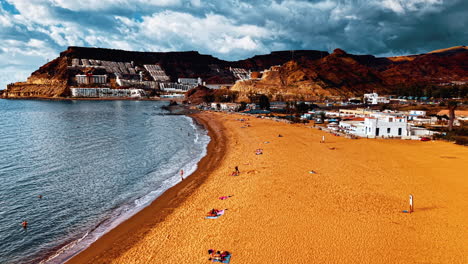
(33, 32)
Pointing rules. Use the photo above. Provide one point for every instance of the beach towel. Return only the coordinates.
(220, 213)
(227, 259)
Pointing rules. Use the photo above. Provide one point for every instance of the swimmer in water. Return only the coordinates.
(39, 196)
(25, 224)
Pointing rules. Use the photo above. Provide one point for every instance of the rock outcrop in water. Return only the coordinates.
(299, 74)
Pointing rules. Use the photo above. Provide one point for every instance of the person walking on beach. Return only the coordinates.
(237, 170)
(323, 139)
(411, 204)
(182, 174)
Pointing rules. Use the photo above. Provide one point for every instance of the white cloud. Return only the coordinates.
(37, 11)
(394, 5)
(19, 58)
(402, 6)
(20, 50)
(13, 74)
(212, 34)
(5, 19)
(88, 5)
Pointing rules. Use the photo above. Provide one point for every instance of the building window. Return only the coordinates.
(399, 131)
(388, 130)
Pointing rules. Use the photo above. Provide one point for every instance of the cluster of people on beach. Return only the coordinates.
(243, 120)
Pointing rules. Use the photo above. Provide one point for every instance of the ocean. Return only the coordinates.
(95, 163)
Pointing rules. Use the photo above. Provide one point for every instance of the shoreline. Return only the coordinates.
(336, 202)
(139, 224)
(303, 201)
(92, 99)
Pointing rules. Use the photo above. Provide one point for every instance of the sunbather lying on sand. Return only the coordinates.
(259, 152)
(218, 255)
(214, 212)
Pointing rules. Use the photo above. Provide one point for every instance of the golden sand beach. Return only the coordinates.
(349, 211)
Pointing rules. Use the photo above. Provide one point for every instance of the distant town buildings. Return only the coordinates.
(374, 98)
(106, 93)
(225, 106)
(175, 87)
(108, 66)
(156, 72)
(383, 124)
(240, 74)
(138, 83)
(91, 79)
(370, 123)
(128, 75)
(190, 81)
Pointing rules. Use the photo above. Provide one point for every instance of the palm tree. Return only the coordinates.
(452, 105)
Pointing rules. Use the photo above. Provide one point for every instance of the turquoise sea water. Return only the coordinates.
(95, 163)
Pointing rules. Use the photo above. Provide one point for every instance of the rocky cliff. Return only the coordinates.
(54, 78)
(304, 74)
(343, 74)
(435, 67)
(49, 80)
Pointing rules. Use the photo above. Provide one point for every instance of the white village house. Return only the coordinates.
(386, 126)
(383, 125)
(374, 98)
(225, 106)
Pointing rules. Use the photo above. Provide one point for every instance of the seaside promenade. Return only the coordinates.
(348, 211)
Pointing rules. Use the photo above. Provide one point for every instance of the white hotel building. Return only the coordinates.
(90, 79)
(386, 126)
(378, 125)
(374, 99)
(106, 93)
